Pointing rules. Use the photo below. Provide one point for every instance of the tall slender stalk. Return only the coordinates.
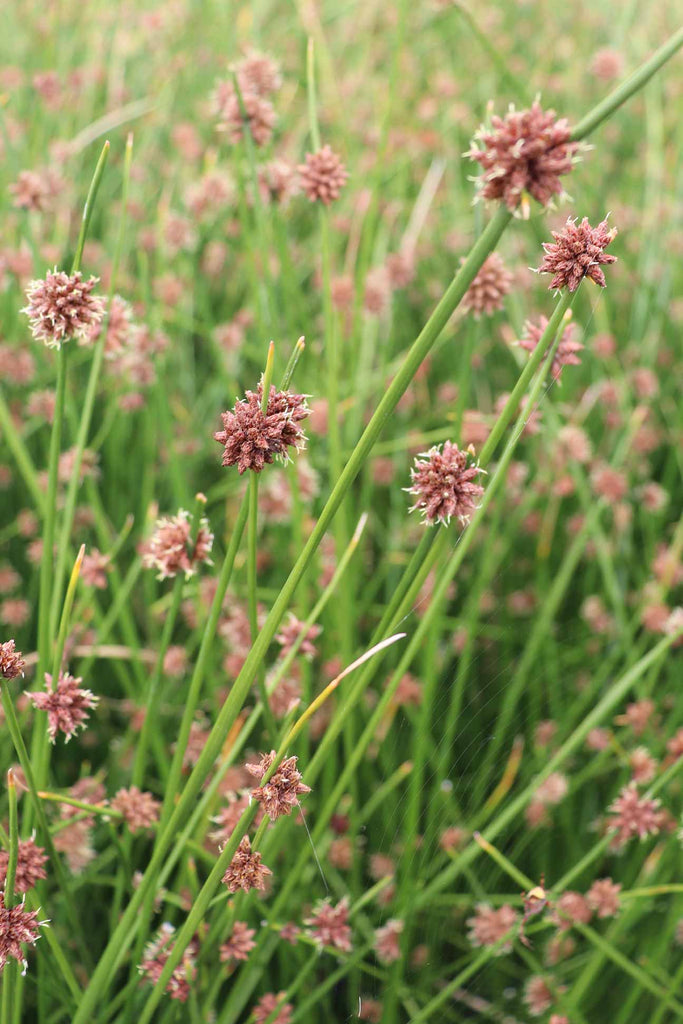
(123, 934)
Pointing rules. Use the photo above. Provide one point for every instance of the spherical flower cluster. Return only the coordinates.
(240, 943)
(18, 927)
(488, 289)
(329, 926)
(30, 869)
(268, 1004)
(246, 870)
(252, 438)
(572, 908)
(443, 484)
(156, 955)
(139, 809)
(170, 549)
(255, 111)
(65, 704)
(258, 77)
(633, 815)
(525, 151)
(489, 926)
(322, 176)
(289, 634)
(567, 350)
(11, 661)
(387, 941)
(577, 252)
(281, 793)
(603, 897)
(62, 307)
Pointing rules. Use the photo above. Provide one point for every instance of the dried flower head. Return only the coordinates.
(65, 704)
(323, 176)
(252, 438)
(240, 943)
(18, 927)
(526, 151)
(62, 307)
(489, 926)
(31, 860)
(443, 484)
(567, 350)
(246, 870)
(170, 549)
(139, 809)
(11, 661)
(633, 815)
(281, 793)
(488, 289)
(577, 252)
(329, 926)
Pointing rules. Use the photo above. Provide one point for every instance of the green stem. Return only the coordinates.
(95, 366)
(252, 544)
(13, 840)
(173, 781)
(602, 709)
(88, 208)
(61, 877)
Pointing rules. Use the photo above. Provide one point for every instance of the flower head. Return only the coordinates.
(323, 176)
(18, 927)
(289, 634)
(443, 484)
(329, 925)
(252, 438)
(62, 307)
(139, 809)
(254, 110)
(170, 549)
(246, 870)
(66, 705)
(572, 908)
(537, 995)
(633, 815)
(577, 252)
(387, 941)
(603, 897)
(280, 794)
(488, 289)
(525, 151)
(489, 926)
(567, 350)
(154, 960)
(240, 943)
(268, 1004)
(11, 661)
(30, 868)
